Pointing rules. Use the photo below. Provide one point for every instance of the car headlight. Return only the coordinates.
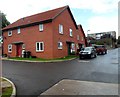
(88, 52)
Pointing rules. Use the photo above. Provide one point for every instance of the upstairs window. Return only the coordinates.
(18, 31)
(60, 45)
(10, 48)
(39, 46)
(71, 32)
(82, 39)
(40, 27)
(9, 33)
(78, 37)
(60, 29)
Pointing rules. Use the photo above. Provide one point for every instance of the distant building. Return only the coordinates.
(109, 34)
(108, 38)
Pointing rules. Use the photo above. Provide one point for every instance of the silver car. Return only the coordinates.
(88, 52)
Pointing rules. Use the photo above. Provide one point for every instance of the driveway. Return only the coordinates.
(35, 78)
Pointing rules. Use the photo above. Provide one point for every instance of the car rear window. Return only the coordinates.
(98, 46)
(101, 46)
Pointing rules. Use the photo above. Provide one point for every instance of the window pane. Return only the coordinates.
(78, 38)
(23, 46)
(9, 33)
(60, 45)
(70, 32)
(41, 27)
(82, 38)
(38, 46)
(9, 48)
(41, 46)
(18, 30)
(60, 28)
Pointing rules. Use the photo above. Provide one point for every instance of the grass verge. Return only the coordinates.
(40, 59)
(7, 91)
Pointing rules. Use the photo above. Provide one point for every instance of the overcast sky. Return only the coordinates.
(94, 15)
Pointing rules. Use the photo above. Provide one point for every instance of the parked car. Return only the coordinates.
(88, 52)
(101, 49)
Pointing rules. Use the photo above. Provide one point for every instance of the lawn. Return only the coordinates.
(40, 59)
(7, 91)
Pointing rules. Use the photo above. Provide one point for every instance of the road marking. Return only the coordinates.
(115, 62)
(83, 61)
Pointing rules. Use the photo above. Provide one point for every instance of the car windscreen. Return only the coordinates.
(98, 46)
(87, 49)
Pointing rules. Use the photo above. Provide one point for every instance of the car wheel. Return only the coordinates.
(91, 56)
(105, 52)
(80, 57)
(95, 55)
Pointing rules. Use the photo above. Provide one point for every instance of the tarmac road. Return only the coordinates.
(35, 78)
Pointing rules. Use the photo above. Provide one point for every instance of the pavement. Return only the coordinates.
(76, 87)
(46, 61)
(39, 77)
(5, 84)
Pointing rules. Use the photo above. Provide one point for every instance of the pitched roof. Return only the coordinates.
(43, 17)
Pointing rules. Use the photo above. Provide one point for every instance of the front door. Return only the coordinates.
(19, 50)
(69, 48)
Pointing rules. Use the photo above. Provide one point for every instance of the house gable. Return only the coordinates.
(67, 7)
(65, 18)
(83, 34)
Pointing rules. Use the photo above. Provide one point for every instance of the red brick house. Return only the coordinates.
(51, 34)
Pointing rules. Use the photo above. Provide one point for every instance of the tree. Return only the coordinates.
(4, 22)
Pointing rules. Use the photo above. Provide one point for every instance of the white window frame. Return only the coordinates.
(71, 32)
(40, 50)
(9, 33)
(23, 46)
(18, 30)
(60, 45)
(10, 48)
(78, 37)
(40, 27)
(60, 28)
(82, 39)
(73, 47)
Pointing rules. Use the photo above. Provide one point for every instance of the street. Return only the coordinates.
(35, 78)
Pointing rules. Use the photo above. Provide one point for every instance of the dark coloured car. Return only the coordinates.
(87, 52)
(101, 49)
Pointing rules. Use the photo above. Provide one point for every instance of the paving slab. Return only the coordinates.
(5, 84)
(76, 87)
